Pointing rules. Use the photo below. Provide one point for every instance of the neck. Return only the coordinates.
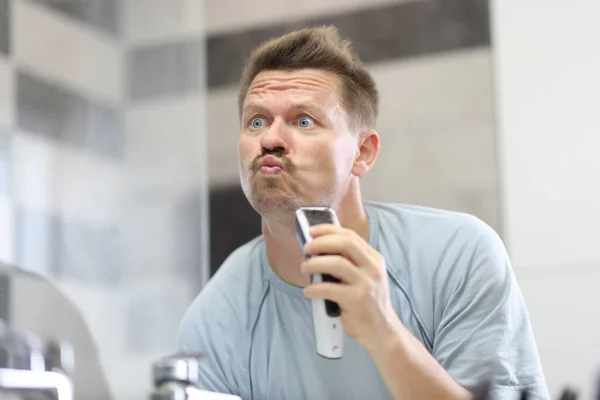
(283, 250)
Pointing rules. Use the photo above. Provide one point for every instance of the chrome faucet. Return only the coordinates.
(34, 368)
(176, 378)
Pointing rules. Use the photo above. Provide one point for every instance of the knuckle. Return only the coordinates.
(379, 272)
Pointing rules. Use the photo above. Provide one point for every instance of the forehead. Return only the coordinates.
(306, 85)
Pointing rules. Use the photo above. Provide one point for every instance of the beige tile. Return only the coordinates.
(435, 93)
(6, 93)
(456, 156)
(437, 134)
(81, 58)
(151, 21)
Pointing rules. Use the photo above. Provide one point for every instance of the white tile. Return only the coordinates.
(234, 15)
(6, 230)
(66, 51)
(563, 309)
(6, 93)
(148, 21)
(548, 92)
(166, 144)
(66, 182)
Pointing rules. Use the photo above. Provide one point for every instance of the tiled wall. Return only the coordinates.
(63, 111)
(5, 12)
(102, 168)
(6, 129)
(431, 60)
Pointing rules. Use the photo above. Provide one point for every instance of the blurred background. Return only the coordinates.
(119, 191)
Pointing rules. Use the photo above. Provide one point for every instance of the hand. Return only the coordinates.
(363, 293)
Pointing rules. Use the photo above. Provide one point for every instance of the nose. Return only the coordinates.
(275, 138)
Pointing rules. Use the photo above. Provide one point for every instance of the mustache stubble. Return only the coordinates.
(288, 165)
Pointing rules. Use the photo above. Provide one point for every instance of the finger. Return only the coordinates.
(325, 229)
(349, 246)
(329, 291)
(333, 265)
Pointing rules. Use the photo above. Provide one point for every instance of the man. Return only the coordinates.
(429, 303)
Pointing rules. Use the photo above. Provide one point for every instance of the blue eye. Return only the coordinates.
(257, 123)
(306, 122)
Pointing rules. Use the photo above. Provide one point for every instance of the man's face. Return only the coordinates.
(295, 146)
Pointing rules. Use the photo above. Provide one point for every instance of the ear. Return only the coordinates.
(368, 149)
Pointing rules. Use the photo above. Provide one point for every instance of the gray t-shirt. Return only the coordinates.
(451, 284)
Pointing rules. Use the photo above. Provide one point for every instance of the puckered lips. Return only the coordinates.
(270, 165)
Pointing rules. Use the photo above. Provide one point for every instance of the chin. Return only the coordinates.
(274, 206)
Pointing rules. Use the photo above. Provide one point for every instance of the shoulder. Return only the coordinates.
(437, 250)
(218, 322)
(228, 298)
(431, 230)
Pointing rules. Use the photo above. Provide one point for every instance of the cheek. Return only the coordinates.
(323, 157)
(343, 154)
(246, 149)
(330, 164)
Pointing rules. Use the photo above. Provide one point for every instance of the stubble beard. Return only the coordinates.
(271, 202)
(277, 198)
(267, 194)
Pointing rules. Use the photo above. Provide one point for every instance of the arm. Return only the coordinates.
(484, 331)
(409, 371)
(208, 328)
(368, 317)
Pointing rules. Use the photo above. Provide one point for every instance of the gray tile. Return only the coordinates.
(233, 222)
(49, 110)
(102, 14)
(5, 161)
(164, 70)
(5, 295)
(4, 26)
(50, 245)
(394, 31)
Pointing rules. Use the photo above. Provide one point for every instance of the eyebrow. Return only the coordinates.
(309, 106)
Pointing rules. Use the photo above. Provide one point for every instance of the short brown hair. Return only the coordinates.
(319, 48)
